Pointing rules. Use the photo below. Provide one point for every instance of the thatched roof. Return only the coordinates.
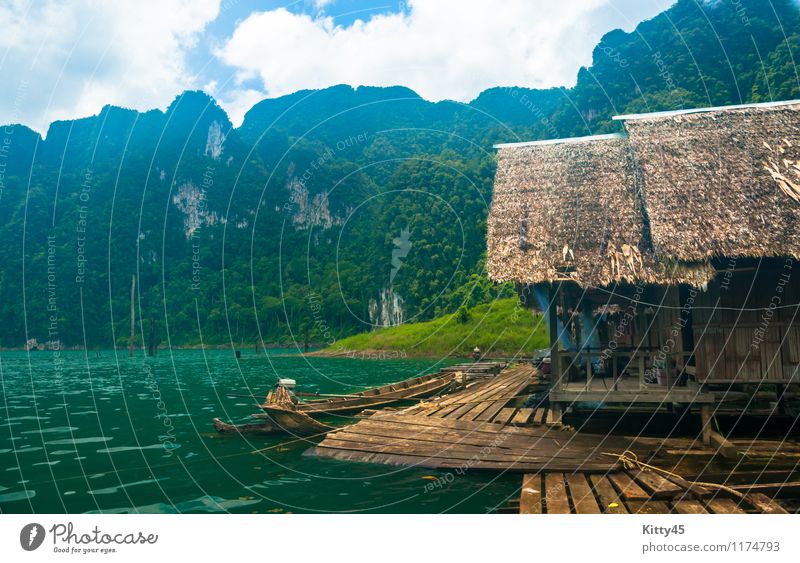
(569, 210)
(721, 182)
(655, 206)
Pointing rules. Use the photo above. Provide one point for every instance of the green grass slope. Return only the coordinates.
(500, 328)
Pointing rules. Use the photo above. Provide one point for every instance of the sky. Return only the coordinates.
(65, 59)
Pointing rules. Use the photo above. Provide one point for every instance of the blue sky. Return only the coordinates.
(62, 59)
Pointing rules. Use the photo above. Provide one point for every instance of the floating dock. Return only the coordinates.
(477, 428)
(496, 424)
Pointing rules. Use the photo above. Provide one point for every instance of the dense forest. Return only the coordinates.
(327, 212)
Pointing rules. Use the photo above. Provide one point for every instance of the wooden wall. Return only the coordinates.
(747, 325)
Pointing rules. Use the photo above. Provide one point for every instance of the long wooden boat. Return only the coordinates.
(282, 414)
(277, 420)
(414, 388)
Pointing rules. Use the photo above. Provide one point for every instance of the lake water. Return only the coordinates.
(82, 433)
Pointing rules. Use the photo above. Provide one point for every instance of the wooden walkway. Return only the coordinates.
(488, 401)
(632, 492)
(477, 428)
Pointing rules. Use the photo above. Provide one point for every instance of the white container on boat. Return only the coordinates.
(287, 383)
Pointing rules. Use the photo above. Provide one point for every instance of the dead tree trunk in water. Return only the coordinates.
(133, 316)
(151, 346)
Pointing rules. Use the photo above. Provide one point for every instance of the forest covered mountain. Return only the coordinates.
(327, 212)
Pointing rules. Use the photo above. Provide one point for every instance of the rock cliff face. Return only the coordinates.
(308, 211)
(215, 141)
(191, 201)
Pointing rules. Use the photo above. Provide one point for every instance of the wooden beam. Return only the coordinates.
(725, 448)
(705, 421)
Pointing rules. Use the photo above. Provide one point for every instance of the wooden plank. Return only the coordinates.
(628, 489)
(724, 506)
(522, 416)
(582, 496)
(788, 488)
(539, 416)
(492, 410)
(688, 506)
(530, 500)
(556, 494)
(609, 499)
(443, 411)
(470, 394)
(553, 416)
(475, 412)
(648, 507)
(655, 484)
(504, 416)
(765, 504)
(422, 461)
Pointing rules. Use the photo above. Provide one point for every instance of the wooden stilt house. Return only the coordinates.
(665, 258)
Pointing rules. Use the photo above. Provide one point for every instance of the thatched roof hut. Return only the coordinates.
(569, 210)
(655, 206)
(721, 182)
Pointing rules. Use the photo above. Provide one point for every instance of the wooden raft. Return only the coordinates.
(427, 441)
(477, 428)
(631, 492)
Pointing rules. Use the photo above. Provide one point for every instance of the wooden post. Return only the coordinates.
(133, 316)
(552, 319)
(554, 414)
(589, 372)
(705, 420)
(641, 368)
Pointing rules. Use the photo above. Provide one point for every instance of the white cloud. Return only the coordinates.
(440, 48)
(238, 102)
(63, 59)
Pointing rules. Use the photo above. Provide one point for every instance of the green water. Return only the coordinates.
(81, 433)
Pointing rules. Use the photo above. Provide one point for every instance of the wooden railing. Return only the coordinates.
(637, 358)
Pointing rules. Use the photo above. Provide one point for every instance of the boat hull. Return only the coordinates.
(426, 386)
(260, 428)
(292, 421)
